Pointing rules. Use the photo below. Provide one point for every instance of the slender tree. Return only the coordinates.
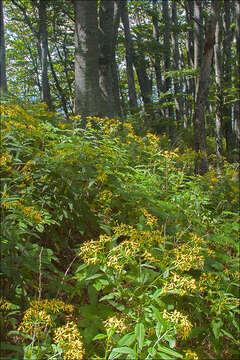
(201, 165)
(219, 91)
(45, 94)
(3, 76)
(129, 54)
(237, 75)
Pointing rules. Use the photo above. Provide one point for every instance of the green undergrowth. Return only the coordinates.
(111, 247)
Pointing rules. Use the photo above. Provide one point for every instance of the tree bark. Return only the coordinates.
(178, 84)
(88, 94)
(3, 76)
(106, 27)
(115, 72)
(237, 76)
(45, 94)
(167, 64)
(201, 164)
(219, 94)
(157, 57)
(129, 55)
(227, 81)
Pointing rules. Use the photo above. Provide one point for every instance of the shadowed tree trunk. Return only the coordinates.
(3, 77)
(219, 102)
(201, 164)
(227, 80)
(115, 72)
(106, 27)
(45, 93)
(237, 76)
(178, 84)
(129, 54)
(167, 64)
(87, 100)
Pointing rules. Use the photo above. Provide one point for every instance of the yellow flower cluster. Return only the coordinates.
(183, 324)
(151, 220)
(183, 284)
(52, 305)
(5, 159)
(136, 244)
(115, 323)
(37, 317)
(31, 213)
(223, 304)
(35, 322)
(70, 340)
(208, 280)
(190, 355)
(5, 305)
(188, 257)
(91, 250)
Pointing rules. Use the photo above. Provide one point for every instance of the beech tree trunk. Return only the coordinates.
(3, 76)
(129, 55)
(45, 93)
(201, 164)
(87, 101)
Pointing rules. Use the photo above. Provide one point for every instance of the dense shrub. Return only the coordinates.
(111, 246)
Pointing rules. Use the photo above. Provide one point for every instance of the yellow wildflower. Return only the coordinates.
(70, 340)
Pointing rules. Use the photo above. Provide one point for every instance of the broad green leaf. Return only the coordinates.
(122, 350)
(127, 339)
(140, 333)
(170, 351)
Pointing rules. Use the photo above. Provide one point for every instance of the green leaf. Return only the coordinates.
(127, 339)
(122, 350)
(168, 351)
(99, 336)
(140, 334)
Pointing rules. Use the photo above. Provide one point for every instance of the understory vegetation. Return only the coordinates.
(112, 248)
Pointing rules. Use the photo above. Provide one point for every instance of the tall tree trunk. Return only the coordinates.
(3, 76)
(87, 100)
(201, 164)
(178, 84)
(167, 63)
(129, 55)
(141, 66)
(45, 95)
(227, 80)
(58, 86)
(190, 83)
(219, 94)
(198, 35)
(115, 72)
(237, 76)
(106, 27)
(157, 57)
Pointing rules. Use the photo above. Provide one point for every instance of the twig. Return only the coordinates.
(40, 275)
(65, 274)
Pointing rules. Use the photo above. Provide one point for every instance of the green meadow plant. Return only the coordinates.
(118, 229)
